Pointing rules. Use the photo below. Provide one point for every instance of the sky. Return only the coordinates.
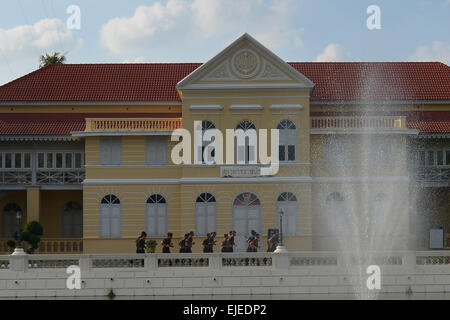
(196, 30)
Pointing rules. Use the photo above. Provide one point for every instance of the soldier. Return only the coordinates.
(183, 244)
(231, 239)
(225, 243)
(189, 242)
(250, 241)
(212, 241)
(207, 243)
(140, 243)
(167, 243)
(254, 244)
(272, 243)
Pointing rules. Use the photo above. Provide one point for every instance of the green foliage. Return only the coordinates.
(11, 244)
(32, 235)
(53, 58)
(152, 244)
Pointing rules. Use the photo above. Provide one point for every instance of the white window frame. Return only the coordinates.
(108, 217)
(165, 151)
(288, 137)
(208, 200)
(151, 215)
(13, 161)
(107, 145)
(246, 125)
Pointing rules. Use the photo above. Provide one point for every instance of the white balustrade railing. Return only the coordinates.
(219, 260)
(359, 123)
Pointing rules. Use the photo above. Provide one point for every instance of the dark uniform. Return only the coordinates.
(250, 242)
(188, 245)
(207, 247)
(140, 245)
(166, 245)
(231, 240)
(273, 243)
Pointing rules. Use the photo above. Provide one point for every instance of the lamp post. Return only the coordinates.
(281, 248)
(19, 250)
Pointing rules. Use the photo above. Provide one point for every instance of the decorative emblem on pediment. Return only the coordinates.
(245, 63)
(220, 73)
(270, 72)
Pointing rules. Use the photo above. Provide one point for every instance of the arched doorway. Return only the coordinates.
(246, 217)
(72, 220)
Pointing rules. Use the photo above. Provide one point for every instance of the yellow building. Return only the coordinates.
(86, 150)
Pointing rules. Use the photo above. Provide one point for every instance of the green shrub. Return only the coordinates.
(32, 235)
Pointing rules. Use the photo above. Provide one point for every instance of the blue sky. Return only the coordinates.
(195, 30)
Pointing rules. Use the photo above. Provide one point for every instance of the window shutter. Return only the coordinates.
(157, 150)
(116, 150)
(105, 150)
(104, 221)
(211, 215)
(151, 219)
(201, 218)
(253, 219)
(115, 221)
(162, 219)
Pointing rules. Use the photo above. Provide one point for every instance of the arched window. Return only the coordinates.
(335, 214)
(207, 125)
(246, 150)
(246, 217)
(287, 150)
(110, 217)
(287, 202)
(9, 220)
(156, 215)
(72, 220)
(205, 213)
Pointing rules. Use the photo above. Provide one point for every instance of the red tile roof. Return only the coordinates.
(374, 81)
(334, 81)
(56, 123)
(430, 126)
(429, 121)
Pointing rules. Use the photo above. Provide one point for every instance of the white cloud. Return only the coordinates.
(437, 51)
(184, 23)
(41, 37)
(334, 52)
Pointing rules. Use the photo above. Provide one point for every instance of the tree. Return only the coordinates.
(54, 58)
(32, 235)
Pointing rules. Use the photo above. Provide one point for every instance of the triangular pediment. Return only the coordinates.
(245, 64)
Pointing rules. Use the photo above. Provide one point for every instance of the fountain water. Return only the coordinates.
(369, 211)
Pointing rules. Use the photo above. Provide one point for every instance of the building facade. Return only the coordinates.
(86, 150)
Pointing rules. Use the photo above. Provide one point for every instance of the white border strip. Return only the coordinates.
(286, 106)
(206, 107)
(120, 133)
(246, 107)
(192, 180)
